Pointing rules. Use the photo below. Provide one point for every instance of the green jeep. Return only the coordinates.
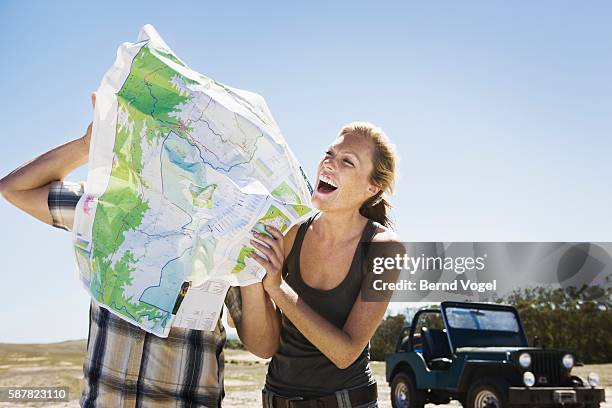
(477, 353)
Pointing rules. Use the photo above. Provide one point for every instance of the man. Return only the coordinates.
(126, 366)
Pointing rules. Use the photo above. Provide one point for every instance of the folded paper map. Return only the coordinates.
(182, 169)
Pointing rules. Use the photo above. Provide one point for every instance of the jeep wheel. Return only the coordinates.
(404, 393)
(487, 394)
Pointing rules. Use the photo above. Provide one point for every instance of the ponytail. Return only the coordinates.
(377, 209)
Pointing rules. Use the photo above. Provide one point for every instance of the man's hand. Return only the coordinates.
(86, 138)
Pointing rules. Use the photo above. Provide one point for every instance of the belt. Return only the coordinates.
(356, 396)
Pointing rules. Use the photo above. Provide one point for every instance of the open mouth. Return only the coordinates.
(325, 188)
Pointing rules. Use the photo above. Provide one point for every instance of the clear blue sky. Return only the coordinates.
(501, 112)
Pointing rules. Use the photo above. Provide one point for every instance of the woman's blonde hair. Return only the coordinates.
(383, 174)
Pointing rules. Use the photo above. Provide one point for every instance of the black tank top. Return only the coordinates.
(298, 368)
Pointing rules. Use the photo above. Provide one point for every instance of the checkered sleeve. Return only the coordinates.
(233, 301)
(62, 200)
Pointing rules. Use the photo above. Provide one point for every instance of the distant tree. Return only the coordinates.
(385, 337)
(577, 319)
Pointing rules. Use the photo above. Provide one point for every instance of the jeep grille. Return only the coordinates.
(547, 368)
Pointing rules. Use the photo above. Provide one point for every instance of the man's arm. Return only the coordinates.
(27, 187)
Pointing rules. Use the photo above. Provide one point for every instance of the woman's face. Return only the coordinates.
(343, 175)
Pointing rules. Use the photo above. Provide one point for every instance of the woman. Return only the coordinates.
(314, 276)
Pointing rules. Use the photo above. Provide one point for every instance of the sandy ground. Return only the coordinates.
(60, 364)
(246, 374)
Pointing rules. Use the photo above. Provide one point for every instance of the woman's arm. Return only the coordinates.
(341, 346)
(259, 326)
(261, 322)
(27, 187)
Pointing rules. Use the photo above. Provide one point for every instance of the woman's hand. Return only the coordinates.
(274, 259)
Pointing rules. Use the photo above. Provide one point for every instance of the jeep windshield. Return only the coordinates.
(477, 319)
(483, 325)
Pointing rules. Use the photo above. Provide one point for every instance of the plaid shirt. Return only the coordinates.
(128, 367)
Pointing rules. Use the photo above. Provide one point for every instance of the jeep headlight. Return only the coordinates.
(525, 360)
(593, 379)
(528, 378)
(568, 361)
